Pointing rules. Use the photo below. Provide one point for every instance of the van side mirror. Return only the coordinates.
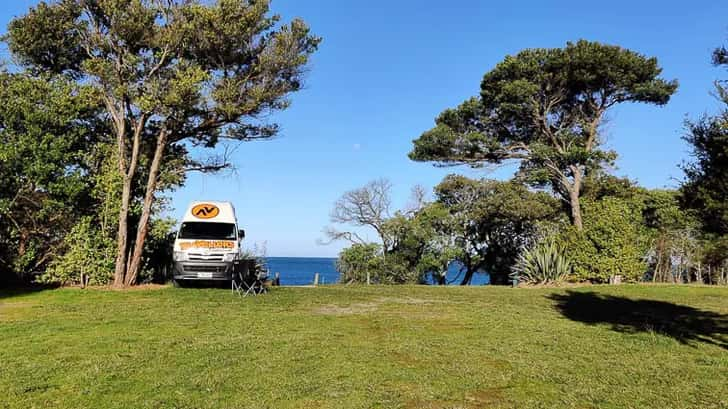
(241, 234)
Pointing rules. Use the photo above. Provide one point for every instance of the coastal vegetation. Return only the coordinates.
(135, 85)
(105, 102)
(562, 211)
(544, 108)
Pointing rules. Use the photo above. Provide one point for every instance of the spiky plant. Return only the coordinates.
(544, 263)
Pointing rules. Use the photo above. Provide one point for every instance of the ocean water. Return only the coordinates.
(301, 270)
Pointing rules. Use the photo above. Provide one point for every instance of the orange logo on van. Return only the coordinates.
(205, 211)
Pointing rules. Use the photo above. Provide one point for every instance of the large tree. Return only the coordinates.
(544, 108)
(367, 206)
(409, 244)
(491, 222)
(47, 127)
(705, 190)
(706, 187)
(171, 74)
(370, 206)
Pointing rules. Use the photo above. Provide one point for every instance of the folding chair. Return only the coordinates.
(257, 284)
(237, 282)
(238, 277)
(247, 283)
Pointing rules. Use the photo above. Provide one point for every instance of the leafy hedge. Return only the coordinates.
(614, 241)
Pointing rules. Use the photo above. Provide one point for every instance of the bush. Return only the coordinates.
(544, 263)
(257, 258)
(158, 248)
(358, 261)
(88, 259)
(397, 269)
(614, 241)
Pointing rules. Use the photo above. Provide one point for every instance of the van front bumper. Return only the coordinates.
(203, 270)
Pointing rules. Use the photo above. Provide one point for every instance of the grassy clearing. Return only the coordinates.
(363, 347)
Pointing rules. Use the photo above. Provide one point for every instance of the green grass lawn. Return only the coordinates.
(363, 347)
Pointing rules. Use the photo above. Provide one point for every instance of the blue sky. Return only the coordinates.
(385, 69)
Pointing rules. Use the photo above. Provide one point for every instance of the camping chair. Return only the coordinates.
(240, 271)
(257, 286)
(248, 282)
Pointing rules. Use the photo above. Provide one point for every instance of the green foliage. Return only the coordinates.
(366, 261)
(599, 185)
(676, 246)
(157, 259)
(485, 225)
(491, 221)
(204, 71)
(662, 211)
(359, 261)
(531, 98)
(715, 269)
(544, 263)
(88, 257)
(543, 108)
(170, 75)
(705, 190)
(106, 187)
(706, 187)
(49, 37)
(418, 249)
(614, 241)
(46, 126)
(411, 246)
(88, 249)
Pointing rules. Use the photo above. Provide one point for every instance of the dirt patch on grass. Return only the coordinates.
(363, 308)
(348, 310)
(485, 398)
(407, 300)
(404, 359)
(10, 310)
(432, 404)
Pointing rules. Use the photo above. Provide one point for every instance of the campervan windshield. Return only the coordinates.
(207, 231)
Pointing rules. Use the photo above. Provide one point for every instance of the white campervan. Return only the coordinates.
(208, 243)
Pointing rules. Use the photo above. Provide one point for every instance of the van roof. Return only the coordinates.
(210, 211)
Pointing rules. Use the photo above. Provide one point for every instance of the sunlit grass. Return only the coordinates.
(362, 347)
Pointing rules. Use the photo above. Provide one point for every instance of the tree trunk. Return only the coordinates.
(468, 277)
(575, 204)
(574, 198)
(143, 226)
(122, 234)
(127, 170)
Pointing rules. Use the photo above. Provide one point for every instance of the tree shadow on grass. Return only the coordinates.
(11, 291)
(684, 324)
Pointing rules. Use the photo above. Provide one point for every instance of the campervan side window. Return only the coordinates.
(207, 231)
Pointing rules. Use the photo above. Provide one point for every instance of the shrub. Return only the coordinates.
(614, 241)
(157, 257)
(358, 261)
(89, 256)
(543, 263)
(257, 258)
